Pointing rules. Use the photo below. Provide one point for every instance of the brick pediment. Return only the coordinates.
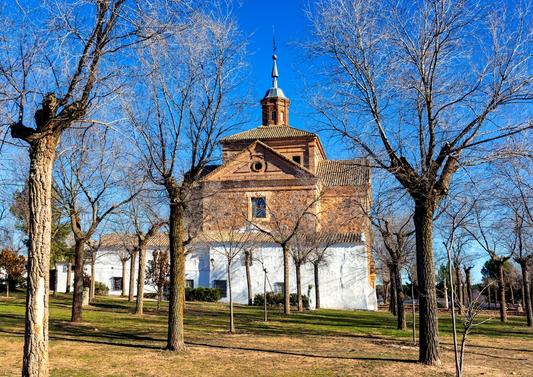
(260, 162)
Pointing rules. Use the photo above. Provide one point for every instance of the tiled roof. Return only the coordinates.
(344, 172)
(124, 240)
(268, 132)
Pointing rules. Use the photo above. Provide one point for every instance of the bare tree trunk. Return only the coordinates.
(133, 258)
(35, 357)
(490, 296)
(93, 278)
(139, 305)
(299, 287)
(413, 309)
(123, 283)
(501, 291)
(247, 260)
(69, 277)
(317, 286)
(77, 297)
(265, 295)
(7, 288)
(527, 293)
(55, 281)
(458, 289)
(231, 322)
(468, 285)
(286, 286)
(400, 309)
(176, 309)
(159, 297)
(511, 290)
(393, 292)
(429, 326)
(446, 306)
(453, 290)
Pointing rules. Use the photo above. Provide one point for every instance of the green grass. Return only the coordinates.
(110, 322)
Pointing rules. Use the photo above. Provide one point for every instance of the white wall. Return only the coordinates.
(344, 280)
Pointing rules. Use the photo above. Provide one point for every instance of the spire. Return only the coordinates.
(274, 65)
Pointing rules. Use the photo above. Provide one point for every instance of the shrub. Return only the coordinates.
(276, 299)
(202, 294)
(100, 289)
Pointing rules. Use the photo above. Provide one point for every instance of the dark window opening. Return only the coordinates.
(259, 208)
(273, 116)
(222, 286)
(117, 283)
(297, 159)
(189, 283)
(257, 166)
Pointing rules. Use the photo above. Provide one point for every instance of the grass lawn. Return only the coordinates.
(113, 342)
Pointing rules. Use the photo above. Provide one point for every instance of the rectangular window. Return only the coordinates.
(259, 208)
(222, 286)
(189, 283)
(273, 116)
(297, 159)
(278, 287)
(117, 283)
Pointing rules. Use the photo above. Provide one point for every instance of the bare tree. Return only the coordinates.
(285, 225)
(183, 109)
(231, 241)
(418, 88)
(157, 273)
(88, 184)
(54, 71)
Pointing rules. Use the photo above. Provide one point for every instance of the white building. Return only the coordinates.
(343, 279)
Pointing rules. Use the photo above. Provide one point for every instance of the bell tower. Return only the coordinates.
(275, 105)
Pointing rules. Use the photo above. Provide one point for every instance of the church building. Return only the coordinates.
(275, 183)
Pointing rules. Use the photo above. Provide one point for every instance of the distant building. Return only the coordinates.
(270, 175)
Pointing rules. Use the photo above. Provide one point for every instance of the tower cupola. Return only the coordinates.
(274, 104)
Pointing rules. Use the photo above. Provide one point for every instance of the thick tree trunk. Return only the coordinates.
(77, 297)
(393, 306)
(527, 293)
(247, 261)
(511, 290)
(93, 279)
(400, 309)
(428, 324)
(317, 286)
(123, 283)
(35, 356)
(231, 322)
(501, 292)
(468, 285)
(286, 286)
(458, 289)
(175, 341)
(299, 287)
(131, 290)
(69, 277)
(139, 305)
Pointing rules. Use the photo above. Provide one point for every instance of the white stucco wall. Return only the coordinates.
(344, 280)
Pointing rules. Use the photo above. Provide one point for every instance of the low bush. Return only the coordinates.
(276, 299)
(100, 289)
(202, 294)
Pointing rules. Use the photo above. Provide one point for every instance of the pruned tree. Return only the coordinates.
(184, 105)
(419, 88)
(301, 249)
(231, 240)
(157, 273)
(124, 256)
(487, 233)
(88, 177)
(53, 71)
(284, 226)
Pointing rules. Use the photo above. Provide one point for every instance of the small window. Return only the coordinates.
(273, 116)
(282, 117)
(258, 166)
(278, 287)
(297, 159)
(222, 286)
(259, 208)
(117, 283)
(189, 283)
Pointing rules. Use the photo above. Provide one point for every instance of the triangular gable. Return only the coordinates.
(275, 166)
